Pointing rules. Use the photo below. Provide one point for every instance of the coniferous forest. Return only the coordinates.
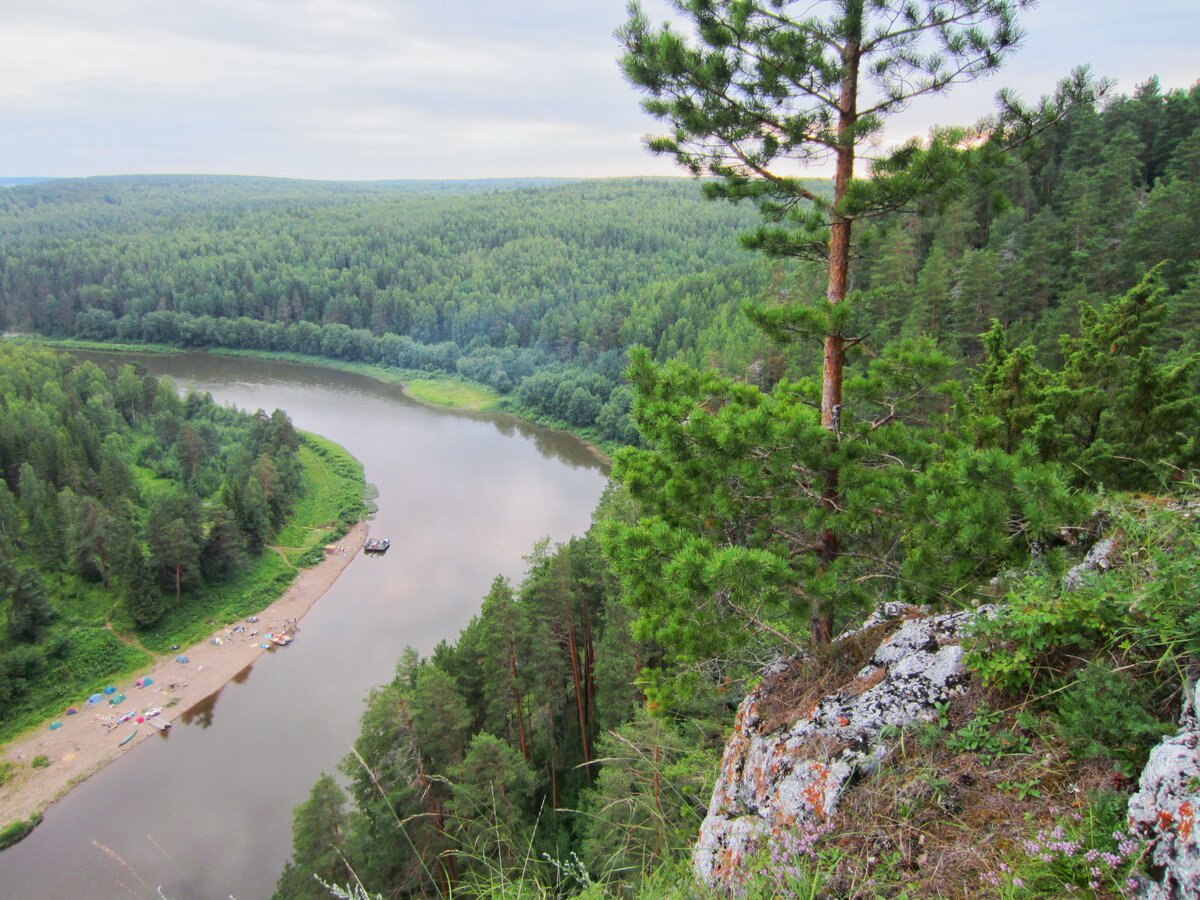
(1022, 371)
(125, 509)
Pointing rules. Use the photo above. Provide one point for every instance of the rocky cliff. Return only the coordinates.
(794, 752)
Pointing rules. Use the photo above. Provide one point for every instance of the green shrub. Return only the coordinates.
(39, 762)
(18, 831)
(1143, 610)
(1104, 714)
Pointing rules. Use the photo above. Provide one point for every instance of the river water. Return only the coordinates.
(206, 812)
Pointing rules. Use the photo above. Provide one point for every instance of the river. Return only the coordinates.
(206, 813)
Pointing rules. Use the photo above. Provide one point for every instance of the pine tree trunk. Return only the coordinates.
(821, 617)
(512, 668)
(573, 650)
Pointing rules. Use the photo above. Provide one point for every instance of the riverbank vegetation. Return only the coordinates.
(132, 519)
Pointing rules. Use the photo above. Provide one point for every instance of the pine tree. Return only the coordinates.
(318, 826)
(764, 86)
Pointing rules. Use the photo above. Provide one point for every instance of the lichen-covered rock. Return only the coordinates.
(1163, 812)
(1099, 558)
(777, 778)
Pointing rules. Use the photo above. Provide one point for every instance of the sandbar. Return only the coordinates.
(88, 741)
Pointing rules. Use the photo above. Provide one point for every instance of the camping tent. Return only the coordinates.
(110, 690)
(94, 699)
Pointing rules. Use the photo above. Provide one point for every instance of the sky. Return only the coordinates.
(382, 89)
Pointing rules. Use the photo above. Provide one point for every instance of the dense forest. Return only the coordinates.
(499, 285)
(120, 501)
(1021, 360)
(1022, 354)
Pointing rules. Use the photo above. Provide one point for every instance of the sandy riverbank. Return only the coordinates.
(84, 745)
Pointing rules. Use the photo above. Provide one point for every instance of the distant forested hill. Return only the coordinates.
(537, 288)
(496, 281)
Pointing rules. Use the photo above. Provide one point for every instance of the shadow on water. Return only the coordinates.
(202, 713)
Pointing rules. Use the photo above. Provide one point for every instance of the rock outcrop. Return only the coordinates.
(1163, 812)
(784, 770)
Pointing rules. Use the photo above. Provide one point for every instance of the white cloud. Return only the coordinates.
(408, 88)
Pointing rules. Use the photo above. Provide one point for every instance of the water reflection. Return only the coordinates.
(201, 713)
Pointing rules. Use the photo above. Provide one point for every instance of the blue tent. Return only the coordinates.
(110, 690)
(54, 726)
(182, 659)
(94, 699)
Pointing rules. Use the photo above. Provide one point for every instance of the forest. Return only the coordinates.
(128, 515)
(1026, 360)
(1022, 368)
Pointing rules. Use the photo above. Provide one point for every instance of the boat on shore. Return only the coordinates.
(376, 545)
(160, 724)
(129, 737)
(281, 639)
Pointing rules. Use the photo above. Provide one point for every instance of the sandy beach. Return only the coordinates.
(89, 740)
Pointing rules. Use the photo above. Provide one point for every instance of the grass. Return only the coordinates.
(95, 641)
(451, 393)
(17, 831)
(107, 347)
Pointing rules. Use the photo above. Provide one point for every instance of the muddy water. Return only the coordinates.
(205, 812)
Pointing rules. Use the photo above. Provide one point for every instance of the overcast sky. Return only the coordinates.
(374, 89)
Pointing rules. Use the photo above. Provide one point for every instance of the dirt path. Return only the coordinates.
(88, 741)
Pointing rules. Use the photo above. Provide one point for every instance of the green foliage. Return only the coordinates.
(1119, 408)
(29, 610)
(649, 799)
(754, 87)
(39, 762)
(1141, 611)
(317, 828)
(490, 797)
(483, 287)
(982, 736)
(737, 534)
(18, 831)
(1105, 713)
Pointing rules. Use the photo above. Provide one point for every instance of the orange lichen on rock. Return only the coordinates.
(1187, 819)
(814, 791)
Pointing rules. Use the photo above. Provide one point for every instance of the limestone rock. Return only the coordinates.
(1163, 812)
(780, 778)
